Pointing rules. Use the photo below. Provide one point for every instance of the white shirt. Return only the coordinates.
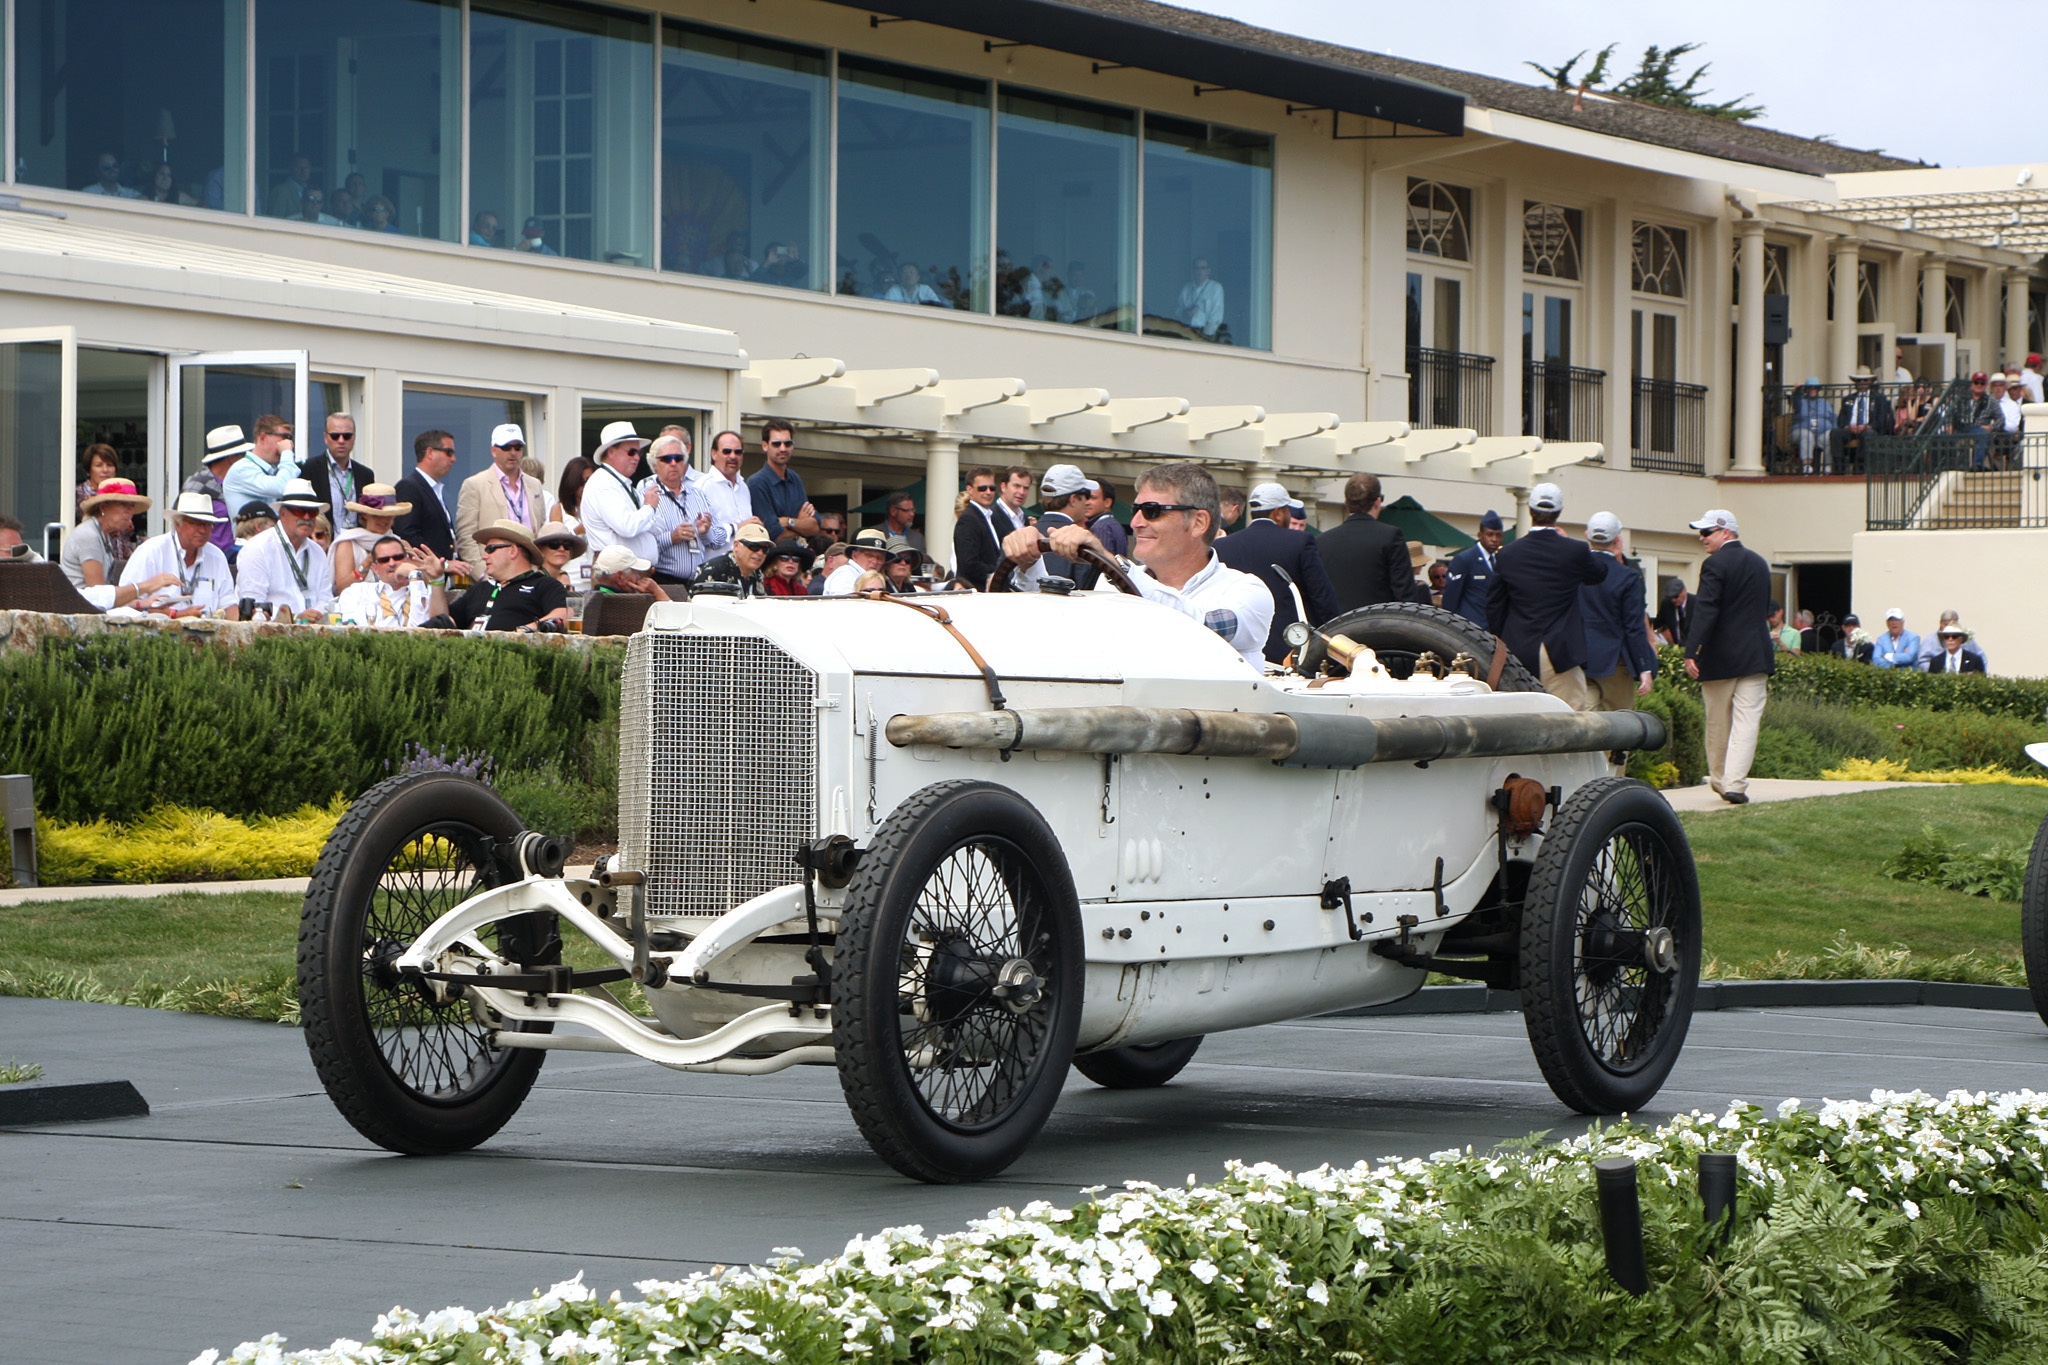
(265, 567)
(613, 516)
(1201, 305)
(728, 501)
(839, 583)
(209, 582)
(372, 602)
(1236, 605)
(250, 480)
(2011, 413)
(2032, 383)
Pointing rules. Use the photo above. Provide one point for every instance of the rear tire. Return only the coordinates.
(1139, 1067)
(1399, 632)
(2034, 922)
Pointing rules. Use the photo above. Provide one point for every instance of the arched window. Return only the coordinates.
(1439, 219)
(1659, 264)
(1550, 240)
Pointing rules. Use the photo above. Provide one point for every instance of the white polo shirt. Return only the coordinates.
(270, 571)
(1236, 605)
(209, 582)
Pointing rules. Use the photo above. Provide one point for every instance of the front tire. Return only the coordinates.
(956, 982)
(2034, 922)
(1139, 1067)
(1610, 952)
(1401, 632)
(410, 1073)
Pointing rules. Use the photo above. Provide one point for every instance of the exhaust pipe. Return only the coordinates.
(1289, 739)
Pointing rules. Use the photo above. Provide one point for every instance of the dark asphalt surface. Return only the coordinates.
(244, 1204)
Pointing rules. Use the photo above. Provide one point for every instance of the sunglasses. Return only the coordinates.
(670, 459)
(728, 450)
(514, 445)
(390, 559)
(493, 549)
(778, 444)
(341, 435)
(1153, 511)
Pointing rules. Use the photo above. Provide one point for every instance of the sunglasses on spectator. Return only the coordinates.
(1153, 511)
(729, 450)
(341, 435)
(513, 445)
(778, 443)
(670, 459)
(391, 559)
(493, 549)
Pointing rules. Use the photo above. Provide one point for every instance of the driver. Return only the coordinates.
(1174, 518)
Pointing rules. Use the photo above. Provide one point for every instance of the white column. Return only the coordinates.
(1933, 296)
(1842, 334)
(1619, 396)
(1749, 354)
(1506, 345)
(2015, 317)
(941, 486)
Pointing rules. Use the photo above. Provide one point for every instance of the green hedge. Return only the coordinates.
(111, 726)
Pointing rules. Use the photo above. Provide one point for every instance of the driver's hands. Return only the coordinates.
(1020, 547)
(1070, 540)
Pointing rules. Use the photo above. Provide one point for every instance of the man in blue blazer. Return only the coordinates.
(1265, 547)
(1728, 648)
(427, 523)
(1620, 665)
(1533, 602)
(1471, 571)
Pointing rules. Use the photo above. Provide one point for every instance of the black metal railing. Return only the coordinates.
(1932, 407)
(1954, 481)
(1668, 427)
(1562, 402)
(1450, 389)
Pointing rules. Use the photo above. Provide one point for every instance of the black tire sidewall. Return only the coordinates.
(1415, 626)
(338, 1032)
(1549, 957)
(879, 1087)
(2034, 922)
(1138, 1068)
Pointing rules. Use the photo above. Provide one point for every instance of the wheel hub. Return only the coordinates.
(1660, 950)
(1018, 985)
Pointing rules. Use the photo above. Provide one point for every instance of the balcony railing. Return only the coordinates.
(1562, 402)
(1933, 405)
(1956, 481)
(1668, 427)
(1450, 389)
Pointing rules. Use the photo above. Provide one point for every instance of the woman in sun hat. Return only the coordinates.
(562, 554)
(376, 507)
(89, 558)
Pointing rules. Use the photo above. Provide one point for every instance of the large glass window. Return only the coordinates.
(1066, 211)
(358, 114)
(135, 99)
(561, 159)
(744, 127)
(470, 418)
(1208, 233)
(1439, 219)
(913, 185)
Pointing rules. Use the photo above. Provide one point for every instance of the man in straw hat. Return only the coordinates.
(1953, 655)
(89, 549)
(866, 553)
(612, 514)
(267, 468)
(397, 593)
(184, 563)
(284, 570)
(515, 593)
(1864, 412)
(224, 445)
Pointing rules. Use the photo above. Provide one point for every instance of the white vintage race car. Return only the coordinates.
(953, 844)
(2034, 907)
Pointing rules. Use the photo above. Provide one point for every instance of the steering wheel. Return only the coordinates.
(999, 581)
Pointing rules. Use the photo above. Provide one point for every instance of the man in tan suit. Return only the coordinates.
(504, 492)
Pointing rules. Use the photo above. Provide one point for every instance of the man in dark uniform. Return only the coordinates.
(1265, 547)
(1366, 559)
(1533, 601)
(1728, 648)
(1471, 571)
(1620, 665)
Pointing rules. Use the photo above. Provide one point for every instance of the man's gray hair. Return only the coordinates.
(1191, 484)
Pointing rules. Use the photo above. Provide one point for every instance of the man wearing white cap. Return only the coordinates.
(1728, 648)
(199, 580)
(1285, 560)
(1532, 604)
(284, 570)
(1897, 647)
(612, 514)
(1620, 664)
(1067, 496)
(266, 468)
(504, 492)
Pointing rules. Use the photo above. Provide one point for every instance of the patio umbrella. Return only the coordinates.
(1416, 523)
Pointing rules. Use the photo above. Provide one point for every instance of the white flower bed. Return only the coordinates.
(1266, 1262)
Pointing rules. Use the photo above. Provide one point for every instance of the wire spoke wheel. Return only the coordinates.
(956, 983)
(412, 1067)
(2034, 922)
(1399, 633)
(1610, 947)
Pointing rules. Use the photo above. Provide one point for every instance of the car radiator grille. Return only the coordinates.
(718, 756)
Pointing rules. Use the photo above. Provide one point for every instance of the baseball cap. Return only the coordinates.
(252, 510)
(1977, 378)
(1269, 497)
(507, 434)
(1895, 614)
(1065, 478)
(1602, 528)
(1715, 519)
(754, 533)
(1546, 497)
(616, 558)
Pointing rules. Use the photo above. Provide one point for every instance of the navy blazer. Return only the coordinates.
(1367, 561)
(1730, 632)
(1614, 622)
(319, 471)
(1466, 584)
(1533, 601)
(1264, 548)
(977, 547)
(427, 523)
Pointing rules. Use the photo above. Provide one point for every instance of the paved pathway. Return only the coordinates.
(1763, 789)
(244, 1204)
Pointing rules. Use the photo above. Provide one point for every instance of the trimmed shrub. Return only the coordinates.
(1820, 677)
(1686, 749)
(1931, 741)
(172, 844)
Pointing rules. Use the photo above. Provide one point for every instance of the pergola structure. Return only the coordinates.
(1121, 436)
(2015, 219)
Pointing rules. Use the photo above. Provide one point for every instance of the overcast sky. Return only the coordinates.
(1887, 76)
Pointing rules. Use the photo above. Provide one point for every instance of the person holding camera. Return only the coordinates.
(515, 593)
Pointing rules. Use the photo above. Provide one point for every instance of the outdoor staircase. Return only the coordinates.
(1970, 498)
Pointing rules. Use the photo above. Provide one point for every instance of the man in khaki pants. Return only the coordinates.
(1728, 648)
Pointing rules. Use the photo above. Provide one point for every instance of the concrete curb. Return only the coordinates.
(1731, 995)
(33, 1102)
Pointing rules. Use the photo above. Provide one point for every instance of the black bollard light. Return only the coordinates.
(1717, 1191)
(1621, 1223)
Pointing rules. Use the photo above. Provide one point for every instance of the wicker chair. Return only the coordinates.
(40, 587)
(615, 613)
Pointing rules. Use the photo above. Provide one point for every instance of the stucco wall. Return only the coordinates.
(1993, 578)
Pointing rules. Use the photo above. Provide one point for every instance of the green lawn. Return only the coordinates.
(1791, 877)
